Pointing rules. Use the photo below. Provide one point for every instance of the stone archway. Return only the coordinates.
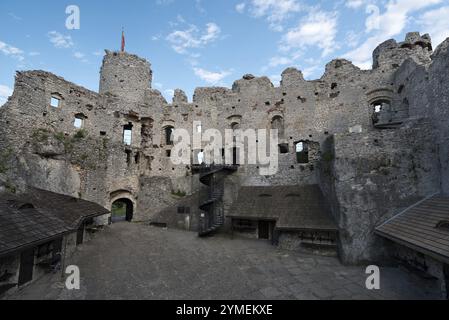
(122, 210)
(123, 206)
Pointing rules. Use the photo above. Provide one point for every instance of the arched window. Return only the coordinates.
(79, 120)
(200, 157)
(128, 134)
(168, 132)
(55, 100)
(235, 153)
(302, 152)
(381, 111)
(277, 123)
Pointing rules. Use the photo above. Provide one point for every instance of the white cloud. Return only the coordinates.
(352, 38)
(169, 94)
(436, 23)
(59, 40)
(318, 29)
(276, 79)
(240, 8)
(183, 40)
(179, 20)
(199, 7)
(15, 17)
(5, 92)
(209, 76)
(164, 2)
(354, 4)
(79, 55)
(34, 54)
(279, 61)
(211, 34)
(275, 11)
(311, 72)
(389, 24)
(9, 50)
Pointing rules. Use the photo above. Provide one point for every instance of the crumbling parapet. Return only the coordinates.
(250, 84)
(180, 97)
(389, 55)
(291, 77)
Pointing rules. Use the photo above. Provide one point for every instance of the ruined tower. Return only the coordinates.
(125, 75)
(390, 54)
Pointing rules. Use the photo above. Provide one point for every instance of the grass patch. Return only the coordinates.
(118, 209)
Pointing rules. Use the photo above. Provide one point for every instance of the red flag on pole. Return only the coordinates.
(123, 41)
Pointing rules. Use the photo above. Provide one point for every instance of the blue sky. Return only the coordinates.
(193, 43)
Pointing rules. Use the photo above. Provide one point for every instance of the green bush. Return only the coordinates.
(80, 134)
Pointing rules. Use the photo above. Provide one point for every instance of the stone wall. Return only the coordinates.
(126, 76)
(425, 90)
(376, 174)
(296, 241)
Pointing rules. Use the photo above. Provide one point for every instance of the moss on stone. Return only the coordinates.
(5, 157)
(179, 193)
(328, 156)
(40, 135)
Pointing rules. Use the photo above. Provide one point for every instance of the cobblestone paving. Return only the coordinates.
(135, 261)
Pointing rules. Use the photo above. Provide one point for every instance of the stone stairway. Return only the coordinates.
(211, 217)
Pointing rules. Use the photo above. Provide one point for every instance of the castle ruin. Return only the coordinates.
(356, 148)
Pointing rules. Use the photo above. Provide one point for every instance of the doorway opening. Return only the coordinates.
(122, 210)
(266, 229)
(80, 235)
(26, 266)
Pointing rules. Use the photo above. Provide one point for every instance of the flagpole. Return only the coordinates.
(123, 40)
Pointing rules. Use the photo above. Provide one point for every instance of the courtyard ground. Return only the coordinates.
(135, 261)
